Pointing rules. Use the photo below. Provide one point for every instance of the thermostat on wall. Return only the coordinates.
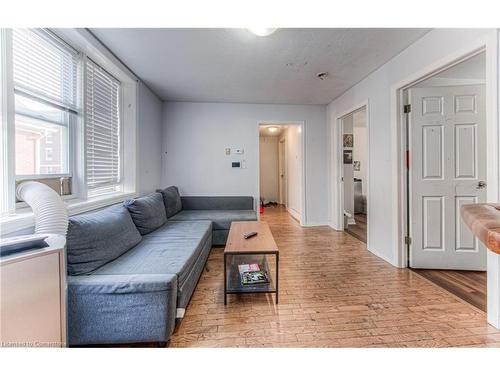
(236, 164)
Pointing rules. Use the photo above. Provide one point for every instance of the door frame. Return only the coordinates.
(339, 129)
(398, 152)
(282, 186)
(303, 203)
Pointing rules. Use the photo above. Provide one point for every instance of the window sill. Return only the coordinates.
(24, 218)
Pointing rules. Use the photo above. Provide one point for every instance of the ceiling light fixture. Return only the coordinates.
(262, 31)
(272, 129)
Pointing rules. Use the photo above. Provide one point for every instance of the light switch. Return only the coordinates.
(227, 151)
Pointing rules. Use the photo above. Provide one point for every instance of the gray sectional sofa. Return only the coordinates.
(133, 267)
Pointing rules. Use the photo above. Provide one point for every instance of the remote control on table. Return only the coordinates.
(249, 235)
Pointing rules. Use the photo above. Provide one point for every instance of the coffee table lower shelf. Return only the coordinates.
(232, 280)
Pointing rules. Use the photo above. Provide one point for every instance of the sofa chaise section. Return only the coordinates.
(178, 248)
(111, 309)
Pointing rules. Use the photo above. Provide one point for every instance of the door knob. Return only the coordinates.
(481, 185)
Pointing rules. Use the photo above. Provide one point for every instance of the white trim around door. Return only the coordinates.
(338, 194)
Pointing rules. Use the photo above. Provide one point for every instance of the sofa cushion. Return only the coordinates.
(217, 203)
(171, 249)
(148, 212)
(221, 219)
(172, 200)
(98, 237)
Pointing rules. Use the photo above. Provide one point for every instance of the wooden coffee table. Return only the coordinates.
(260, 249)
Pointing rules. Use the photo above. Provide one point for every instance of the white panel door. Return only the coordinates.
(447, 140)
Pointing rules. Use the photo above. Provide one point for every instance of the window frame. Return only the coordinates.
(72, 117)
(73, 120)
(17, 216)
(70, 146)
(8, 130)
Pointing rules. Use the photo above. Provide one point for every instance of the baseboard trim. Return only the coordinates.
(317, 224)
(294, 214)
(383, 257)
(331, 225)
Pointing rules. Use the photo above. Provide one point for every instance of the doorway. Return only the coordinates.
(446, 141)
(281, 168)
(354, 173)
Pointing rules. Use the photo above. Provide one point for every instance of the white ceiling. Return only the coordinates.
(235, 66)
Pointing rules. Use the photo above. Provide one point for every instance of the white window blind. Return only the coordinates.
(45, 72)
(102, 129)
(45, 67)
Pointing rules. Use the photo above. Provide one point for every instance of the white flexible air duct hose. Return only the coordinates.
(51, 214)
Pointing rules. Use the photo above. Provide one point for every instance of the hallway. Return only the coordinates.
(333, 293)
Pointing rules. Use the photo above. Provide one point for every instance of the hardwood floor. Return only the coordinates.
(333, 293)
(467, 285)
(358, 230)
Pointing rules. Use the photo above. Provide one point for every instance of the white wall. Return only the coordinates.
(195, 135)
(269, 173)
(294, 170)
(149, 140)
(434, 47)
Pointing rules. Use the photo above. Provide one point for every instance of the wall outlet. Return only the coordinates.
(238, 151)
(227, 151)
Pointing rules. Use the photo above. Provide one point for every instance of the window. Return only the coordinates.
(102, 130)
(68, 120)
(45, 76)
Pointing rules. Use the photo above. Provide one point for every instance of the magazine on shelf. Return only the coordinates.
(254, 277)
(248, 268)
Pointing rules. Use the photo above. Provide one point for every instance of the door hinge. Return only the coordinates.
(407, 108)
(407, 240)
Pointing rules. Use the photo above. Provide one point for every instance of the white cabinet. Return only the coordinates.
(33, 297)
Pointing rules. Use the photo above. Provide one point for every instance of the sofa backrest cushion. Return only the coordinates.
(98, 237)
(172, 200)
(148, 212)
(217, 203)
